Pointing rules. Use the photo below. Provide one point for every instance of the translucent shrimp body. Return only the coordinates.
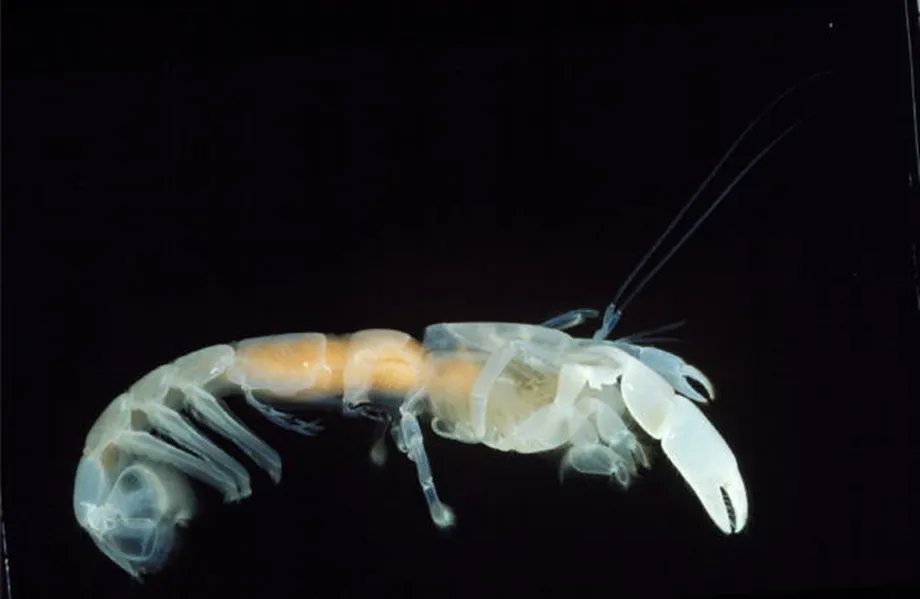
(512, 387)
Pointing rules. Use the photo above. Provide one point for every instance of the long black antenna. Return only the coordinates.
(705, 215)
(615, 310)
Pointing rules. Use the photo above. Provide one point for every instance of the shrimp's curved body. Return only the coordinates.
(512, 387)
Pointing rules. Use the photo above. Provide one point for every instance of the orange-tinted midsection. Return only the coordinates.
(316, 363)
(314, 366)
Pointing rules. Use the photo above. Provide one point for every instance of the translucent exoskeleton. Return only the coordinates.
(521, 388)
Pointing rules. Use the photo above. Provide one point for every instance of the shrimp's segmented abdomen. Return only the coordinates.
(298, 367)
(143, 444)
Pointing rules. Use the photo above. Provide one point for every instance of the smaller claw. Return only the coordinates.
(672, 369)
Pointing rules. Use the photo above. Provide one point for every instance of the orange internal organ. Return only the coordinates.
(309, 363)
(315, 365)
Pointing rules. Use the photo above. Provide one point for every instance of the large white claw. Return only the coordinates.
(708, 465)
(690, 441)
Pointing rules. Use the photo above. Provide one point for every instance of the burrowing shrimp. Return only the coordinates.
(521, 388)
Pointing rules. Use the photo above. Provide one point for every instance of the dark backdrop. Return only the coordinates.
(176, 177)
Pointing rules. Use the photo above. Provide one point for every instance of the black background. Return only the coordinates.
(182, 175)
